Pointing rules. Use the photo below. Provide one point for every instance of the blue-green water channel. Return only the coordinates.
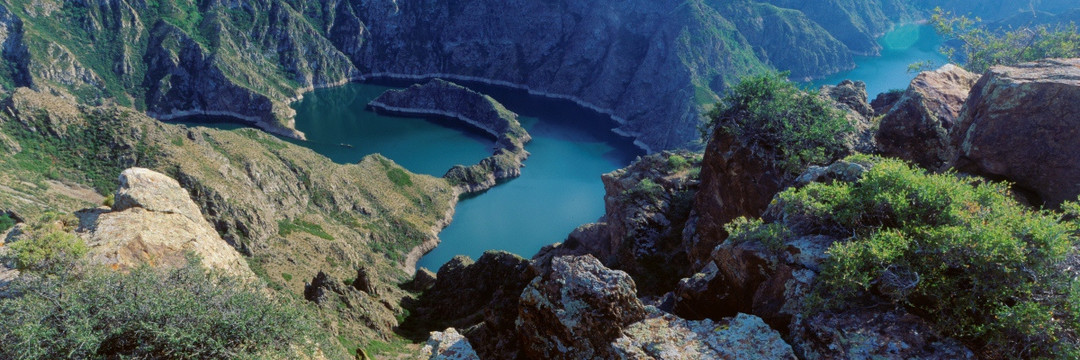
(903, 46)
(559, 189)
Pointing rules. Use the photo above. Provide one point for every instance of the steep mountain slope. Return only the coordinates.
(651, 64)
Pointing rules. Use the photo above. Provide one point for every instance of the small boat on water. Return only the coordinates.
(346, 145)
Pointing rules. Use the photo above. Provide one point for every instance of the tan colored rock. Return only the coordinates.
(918, 126)
(155, 222)
(1022, 124)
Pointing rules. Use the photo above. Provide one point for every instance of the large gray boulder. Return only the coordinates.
(919, 124)
(1022, 124)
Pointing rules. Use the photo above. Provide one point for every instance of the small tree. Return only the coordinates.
(982, 48)
(768, 111)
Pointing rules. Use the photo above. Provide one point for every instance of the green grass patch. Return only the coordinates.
(286, 227)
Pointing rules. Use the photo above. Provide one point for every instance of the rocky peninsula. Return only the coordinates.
(444, 98)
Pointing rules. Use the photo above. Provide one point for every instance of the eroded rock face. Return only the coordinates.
(576, 310)
(667, 337)
(154, 221)
(850, 96)
(917, 127)
(773, 281)
(875, 334)
(448, 345)
(480, 297)
(1021, 123)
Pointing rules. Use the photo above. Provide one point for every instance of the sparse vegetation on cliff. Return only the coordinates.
(983, 267)
(88, 312)
(767, 111)
(982, 48)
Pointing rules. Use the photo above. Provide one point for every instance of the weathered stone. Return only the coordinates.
(576, 310)
(918, 126)
(321, 287)
(448, 345)
(155, 222)
(666, 337)
(850, 97)
(872, 334)
(365, 280)
(422, 280)
(479, 297)
(1021, 123)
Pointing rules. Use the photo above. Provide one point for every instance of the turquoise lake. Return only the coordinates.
(559, 189)
(903, 46)
(560, 186)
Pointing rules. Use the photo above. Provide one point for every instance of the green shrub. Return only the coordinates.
(38, 252)
(983, 267)
(677, 163)
(399, 177)
(286, 227)
(6, 222)
(185, 313)
(982, 48)
(769, 112)
(646, 189)
(109, 200)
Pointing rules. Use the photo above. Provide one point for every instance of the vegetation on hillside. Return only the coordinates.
(970, 258)
(982, 48)
(76, 310)
(767, 111)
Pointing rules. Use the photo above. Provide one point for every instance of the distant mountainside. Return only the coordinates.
(650, 64)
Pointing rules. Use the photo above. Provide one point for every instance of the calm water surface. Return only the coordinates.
(903, 46)
(559, 189)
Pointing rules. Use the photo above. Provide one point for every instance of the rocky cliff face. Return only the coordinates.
(638, 60)
(154, 221)
(1020, 123)
(291, 211)
(444, 98)
(919, 124)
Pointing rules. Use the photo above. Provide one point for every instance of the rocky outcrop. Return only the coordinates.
(351, 306)
(666, 337)
(773, 281)
(155, 222)
(444, 98)
(1020, 123)
(576, 310)
(448, 345)
(478, 297)
(918, 125)
(850, 96)
(647, 211)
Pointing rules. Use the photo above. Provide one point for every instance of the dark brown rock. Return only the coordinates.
(576, 310)
(917, 128)
(1022, 124)
(872, 334)
(365, 280)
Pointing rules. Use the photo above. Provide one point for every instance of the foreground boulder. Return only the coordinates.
(448, 345)
(576, 310)
(917, 127)
(154, 221)
(667, 337)
(1021, 123)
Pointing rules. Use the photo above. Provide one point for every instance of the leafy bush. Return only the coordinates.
(770, 112)
(677, 163)
(646, 189)
(109, 200)
(38, 252)
(983, 48)
(286, 227)
(6, 222)
(983, 267)
(185, 313)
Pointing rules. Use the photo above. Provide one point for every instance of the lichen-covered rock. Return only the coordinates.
(919, 124)
(772, 280)
(448, 345)
(155, 222)
(1021, 124)
(850, 96)
(872, 334)
(576, 310)
(667, 337)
